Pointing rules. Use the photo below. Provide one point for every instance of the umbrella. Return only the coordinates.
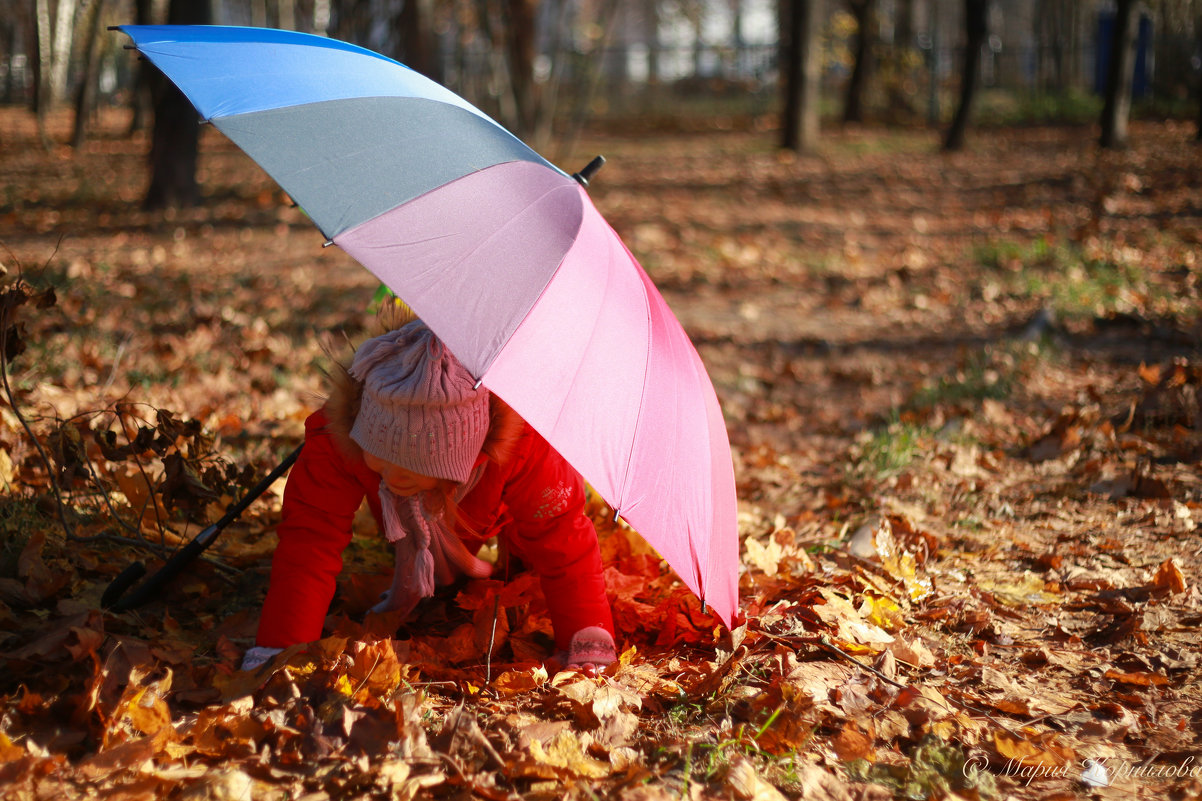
(501, 253)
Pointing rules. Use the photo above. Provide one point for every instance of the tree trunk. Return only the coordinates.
(64, 27)
(802, 21)
(85, 98)
(651, 33)
(865, 13)
(1117, 109)
(975, 28)
(519, 32)
(175, 143)
(140, 94)
(42, 68)
(287, 15)
(418, 40)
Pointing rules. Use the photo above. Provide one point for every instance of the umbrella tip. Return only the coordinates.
(586, 175)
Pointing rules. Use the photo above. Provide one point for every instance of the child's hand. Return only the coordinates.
(591, 650)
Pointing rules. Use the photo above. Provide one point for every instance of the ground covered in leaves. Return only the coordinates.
(963, 398)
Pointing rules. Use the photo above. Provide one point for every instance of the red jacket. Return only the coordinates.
(532, 500)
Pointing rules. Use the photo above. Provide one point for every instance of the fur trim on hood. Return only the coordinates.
(342, 406)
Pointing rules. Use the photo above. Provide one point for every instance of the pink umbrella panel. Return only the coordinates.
(599, 352)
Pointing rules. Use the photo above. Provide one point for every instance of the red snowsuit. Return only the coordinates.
(532, 500)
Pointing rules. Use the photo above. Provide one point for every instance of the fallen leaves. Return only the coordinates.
(1012, 586)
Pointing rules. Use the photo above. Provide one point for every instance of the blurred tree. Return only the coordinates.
(42, 68)
(801, 28)
(518, 33)
(899, 62)
(865, 12)
(1056, 27)
(140, 94)
(1117, 108)
(1198, 38)
(418, 40)
(976, 27)
(64, 28)
(85, 96)
(176, 139)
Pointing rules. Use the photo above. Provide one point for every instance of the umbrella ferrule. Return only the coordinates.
(586, 175)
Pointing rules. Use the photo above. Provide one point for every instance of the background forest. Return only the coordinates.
(942, 260)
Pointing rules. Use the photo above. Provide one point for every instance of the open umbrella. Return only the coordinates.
(501, 253)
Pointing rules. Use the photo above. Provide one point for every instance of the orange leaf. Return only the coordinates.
(852, 743)
(514, 682)
(1140, 678)
(1169, 576)
(1018, 750)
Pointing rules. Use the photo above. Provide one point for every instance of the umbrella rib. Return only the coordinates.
(642, 389)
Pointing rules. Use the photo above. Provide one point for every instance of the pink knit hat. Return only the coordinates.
(420, 408)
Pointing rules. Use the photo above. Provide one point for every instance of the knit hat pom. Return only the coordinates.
(420, 407)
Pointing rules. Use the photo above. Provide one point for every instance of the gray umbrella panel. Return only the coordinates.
(331, 158)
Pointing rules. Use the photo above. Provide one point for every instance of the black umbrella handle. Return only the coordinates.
(113, 595)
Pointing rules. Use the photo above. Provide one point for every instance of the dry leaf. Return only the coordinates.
(852, 743)
(748, 785)
(1169, 576)
(1015, 749)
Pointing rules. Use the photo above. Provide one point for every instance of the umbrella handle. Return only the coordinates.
(112, 598)
(586, 175)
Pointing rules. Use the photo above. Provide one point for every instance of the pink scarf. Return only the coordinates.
(428, 553)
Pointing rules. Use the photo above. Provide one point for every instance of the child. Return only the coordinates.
(444, 466)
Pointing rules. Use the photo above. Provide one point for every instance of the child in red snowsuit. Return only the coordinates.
(444, 466)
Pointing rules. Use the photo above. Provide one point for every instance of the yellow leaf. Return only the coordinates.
(376, 669)
(764, 557)
(9, 751)
(566, 752)
(748, 785)
(883, 612)
(8, 471)
(343, 686)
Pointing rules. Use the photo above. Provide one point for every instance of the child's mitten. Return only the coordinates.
(254, 658)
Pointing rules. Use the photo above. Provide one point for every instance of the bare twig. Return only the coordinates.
(108, 502)
(492, 639)
(825, 642)
(116, 363)
(149, 484)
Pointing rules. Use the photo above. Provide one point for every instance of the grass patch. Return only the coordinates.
(1062, 276)
(1035, 108)
(979, 378)
(889, 450)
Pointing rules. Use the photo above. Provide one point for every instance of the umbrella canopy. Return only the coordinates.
(501, 253)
